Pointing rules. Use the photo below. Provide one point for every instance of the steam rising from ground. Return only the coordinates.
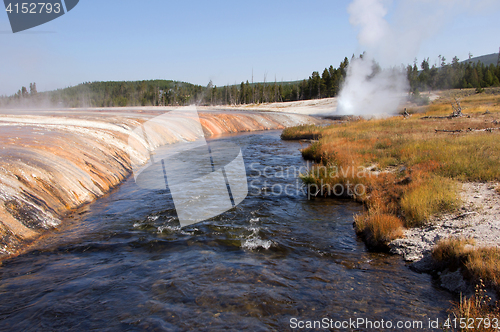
(374, 93)
(37, 103)
(370, 91)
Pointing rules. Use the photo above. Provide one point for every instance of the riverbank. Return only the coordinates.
(427, 177)
(53, 161)
(325, 107)
(123, 262)
(477, 221)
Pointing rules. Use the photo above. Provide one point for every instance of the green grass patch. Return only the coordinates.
(432, 196)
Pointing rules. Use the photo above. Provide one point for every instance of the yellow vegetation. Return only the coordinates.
(301, 132)
(451, 253)
(422, 199)
(481, 266)
(478, 310)
(479, 263)
(484, 263)
(417, 168)
(379, 228)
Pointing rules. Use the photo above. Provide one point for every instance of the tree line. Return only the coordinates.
(328, 84)
(173, 93)
(454, 75)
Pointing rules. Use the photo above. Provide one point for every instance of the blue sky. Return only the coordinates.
(199, 41)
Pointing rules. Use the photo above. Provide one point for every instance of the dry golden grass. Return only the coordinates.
(480, 266)
(427, 197)
(478, 310)
(301, 132)
(451, 253)
(468, 93)
(484, 263)
(450, 248)
(379, 229)
(423, 166)
(478, 263)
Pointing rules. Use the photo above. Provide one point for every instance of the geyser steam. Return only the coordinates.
(370, 90)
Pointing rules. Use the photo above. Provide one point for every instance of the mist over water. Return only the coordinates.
(41, 101)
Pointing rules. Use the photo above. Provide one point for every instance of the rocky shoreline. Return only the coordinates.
(478, 219)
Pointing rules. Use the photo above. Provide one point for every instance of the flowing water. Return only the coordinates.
(123, 264)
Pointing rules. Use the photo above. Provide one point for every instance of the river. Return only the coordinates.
(124, 264)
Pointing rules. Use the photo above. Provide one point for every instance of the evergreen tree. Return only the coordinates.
(33, 89)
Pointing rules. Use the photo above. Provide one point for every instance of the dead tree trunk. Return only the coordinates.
(457, 110)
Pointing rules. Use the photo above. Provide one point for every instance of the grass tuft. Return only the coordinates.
(428, 197)
(451, 253)
(480, 266)
(484, 264)
(478, 263)
(478, 309)
(378, 229)
(301, 132)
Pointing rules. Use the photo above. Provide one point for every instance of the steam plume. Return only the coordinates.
(373, 93)
(368, 89)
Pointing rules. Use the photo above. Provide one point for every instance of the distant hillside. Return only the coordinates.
(107, 94)
(474, 73)
(485, 59)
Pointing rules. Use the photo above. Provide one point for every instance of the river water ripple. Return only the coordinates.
(123, 264)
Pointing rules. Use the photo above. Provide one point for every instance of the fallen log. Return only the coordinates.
(468, 130)
(448, 131)
(444, 117)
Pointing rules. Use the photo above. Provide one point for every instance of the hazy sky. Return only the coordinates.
(222, 41)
